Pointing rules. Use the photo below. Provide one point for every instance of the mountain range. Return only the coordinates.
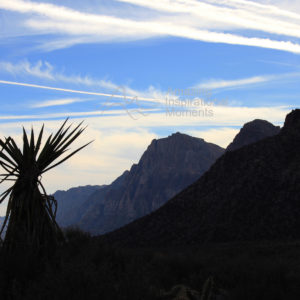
(70, 203)
(251, 193)
(167, 166)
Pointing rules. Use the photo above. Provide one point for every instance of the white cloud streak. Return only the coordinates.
(194, 20)
(46, 71)
(111, 96)
(260, 8)
(56, 102)
(236, 16)
(214, 84)
(217, 84)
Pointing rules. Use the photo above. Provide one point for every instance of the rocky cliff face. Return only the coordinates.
(252, 132)
(252, 193)
(167, 166)
(69, 202)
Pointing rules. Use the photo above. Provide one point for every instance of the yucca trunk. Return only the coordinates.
(31, 222)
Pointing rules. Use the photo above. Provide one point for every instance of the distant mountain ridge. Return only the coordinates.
(70, 201)
(252, 193)
(166, 167)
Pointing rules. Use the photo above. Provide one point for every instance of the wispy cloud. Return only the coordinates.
(222, 116)
(268, 9)
(45, 71)
(214, 84)
(233, 14)
(219, 83)
(57, 102)
(80, 114)
(111, 96)
(210, 21)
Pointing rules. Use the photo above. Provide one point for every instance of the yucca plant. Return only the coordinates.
(30, 216)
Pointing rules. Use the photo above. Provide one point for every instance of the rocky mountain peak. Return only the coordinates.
(252, 132)
(168, 165)
(292, 120)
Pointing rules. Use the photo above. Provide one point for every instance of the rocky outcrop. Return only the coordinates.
(252, 132)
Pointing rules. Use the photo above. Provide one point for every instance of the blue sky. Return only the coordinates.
(114, 63)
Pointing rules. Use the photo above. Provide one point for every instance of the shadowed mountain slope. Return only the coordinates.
(166, 167)
(252, 193)
(70, 201)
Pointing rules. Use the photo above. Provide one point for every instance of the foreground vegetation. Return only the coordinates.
(39, 261)
(85, 268)
(30, 216)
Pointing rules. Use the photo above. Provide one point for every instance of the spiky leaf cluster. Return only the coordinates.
(30, 211)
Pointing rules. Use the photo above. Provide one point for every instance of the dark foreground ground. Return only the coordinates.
(87, 269)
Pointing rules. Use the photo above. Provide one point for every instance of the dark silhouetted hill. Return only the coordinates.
(249, 194)
(252, 132)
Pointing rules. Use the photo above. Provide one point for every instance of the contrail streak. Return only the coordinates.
(80, 92)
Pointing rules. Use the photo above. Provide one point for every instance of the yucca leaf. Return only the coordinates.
(57, 141)
(8, 209)
(67, 157)
(7, 148)
(32, 144)
(60, 130)
(43, 152)
(69, 135)
(5, 194)
(39, 141)
(6, 167)
(56, 152)
(16, 149)
(25, 147)
(7, 160)
(13, 153)
(62, 150)
(72, 139)
(6, 142)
